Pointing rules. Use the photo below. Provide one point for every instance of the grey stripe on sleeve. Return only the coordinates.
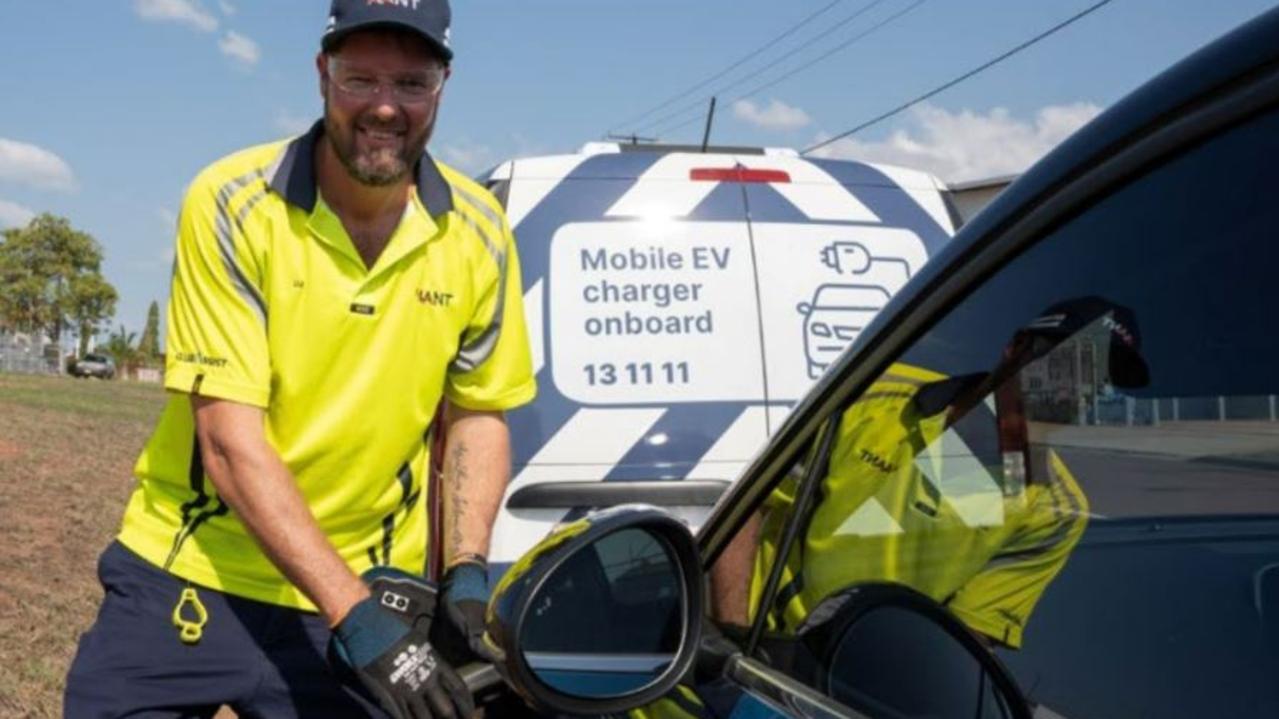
(1065, 521)
(474, 353)
(226, 244)
(482, 207)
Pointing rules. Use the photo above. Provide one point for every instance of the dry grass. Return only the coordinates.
(67, 449)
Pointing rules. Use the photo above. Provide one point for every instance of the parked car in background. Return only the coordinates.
(94, 365)
(946, 525)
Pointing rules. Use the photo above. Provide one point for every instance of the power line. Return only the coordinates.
(697, 104)
(786, 76)
(700, 102)
(746, 58)
(981, 68)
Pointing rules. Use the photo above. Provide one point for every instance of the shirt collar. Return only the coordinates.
(293, 176)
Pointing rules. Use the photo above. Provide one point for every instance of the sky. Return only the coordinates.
(110, 107)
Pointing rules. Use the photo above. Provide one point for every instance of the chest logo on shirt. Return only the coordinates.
(434, 298)
(877, 462)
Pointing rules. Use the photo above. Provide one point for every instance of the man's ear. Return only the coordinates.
(322, 70)
(448, 72)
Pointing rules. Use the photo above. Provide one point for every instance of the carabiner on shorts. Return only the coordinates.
(190, 631)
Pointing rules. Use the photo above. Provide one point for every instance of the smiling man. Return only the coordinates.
(329, 293)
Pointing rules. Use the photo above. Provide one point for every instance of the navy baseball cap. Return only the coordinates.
(1127, 367)
(428, 18)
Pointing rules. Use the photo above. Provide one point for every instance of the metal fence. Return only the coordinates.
(28, 354)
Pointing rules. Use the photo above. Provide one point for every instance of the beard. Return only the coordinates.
(375, 166)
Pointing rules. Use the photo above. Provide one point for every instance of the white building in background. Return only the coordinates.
(971, 196)
(28, 353)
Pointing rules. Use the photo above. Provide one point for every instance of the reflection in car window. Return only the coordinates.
(917, 494)
(1081, 459)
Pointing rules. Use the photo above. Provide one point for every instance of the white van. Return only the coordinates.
(679, 302)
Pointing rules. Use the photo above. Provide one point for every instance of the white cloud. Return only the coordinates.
(185, 12)
(34, 166)
(14, 215)
(291, 124)
(468, 156)
(241, 48)
(168, 218)
(776, 115)
(227, 8)
(967, 145)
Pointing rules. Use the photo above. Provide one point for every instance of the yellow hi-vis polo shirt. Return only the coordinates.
(272, 306)
(879, 518)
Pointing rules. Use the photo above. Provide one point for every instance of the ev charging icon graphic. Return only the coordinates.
(839, 311)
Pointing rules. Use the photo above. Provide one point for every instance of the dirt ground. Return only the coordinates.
(67, 449)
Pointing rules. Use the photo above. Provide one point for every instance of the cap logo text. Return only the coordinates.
(411, 4)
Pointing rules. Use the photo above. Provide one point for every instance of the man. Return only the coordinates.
(329, 292)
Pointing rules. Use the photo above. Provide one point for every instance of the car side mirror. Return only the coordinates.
(888, 650)
(602, 616)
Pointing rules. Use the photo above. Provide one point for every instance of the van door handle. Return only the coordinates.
(663, 493)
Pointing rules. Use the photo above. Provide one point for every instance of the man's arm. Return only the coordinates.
(252, 479)
(731, 575)
(477, 467)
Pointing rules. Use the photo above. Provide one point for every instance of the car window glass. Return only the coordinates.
(1080, 460)
(892, 662)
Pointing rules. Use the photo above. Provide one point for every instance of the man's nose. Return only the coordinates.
(384, 107)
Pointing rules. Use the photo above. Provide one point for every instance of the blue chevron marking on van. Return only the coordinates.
(768, 205)
(723, 204)
(893, 206)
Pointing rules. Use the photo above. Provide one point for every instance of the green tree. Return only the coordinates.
(91, 303)
(23, 301)
(120, 345)
(149, 345)
(44, 278)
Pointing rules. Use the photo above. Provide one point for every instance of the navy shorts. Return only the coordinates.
(260, 659)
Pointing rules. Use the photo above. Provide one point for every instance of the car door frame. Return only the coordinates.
(1222, 85)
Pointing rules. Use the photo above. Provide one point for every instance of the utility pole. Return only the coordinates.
(710, 118)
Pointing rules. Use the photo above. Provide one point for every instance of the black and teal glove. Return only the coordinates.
(464, 594)
(384, 640)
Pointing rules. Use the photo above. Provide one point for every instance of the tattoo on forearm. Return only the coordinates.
(457, 498)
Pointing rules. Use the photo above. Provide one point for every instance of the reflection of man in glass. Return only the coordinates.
(933, 482)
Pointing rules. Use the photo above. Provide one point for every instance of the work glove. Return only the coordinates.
(464, 594)
(384, 640)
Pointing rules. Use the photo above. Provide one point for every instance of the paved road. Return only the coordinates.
(1176, 469)
(1127, 485)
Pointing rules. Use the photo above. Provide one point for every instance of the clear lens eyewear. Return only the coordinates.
(409, 88)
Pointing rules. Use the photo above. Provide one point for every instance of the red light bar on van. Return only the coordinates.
(737, 174)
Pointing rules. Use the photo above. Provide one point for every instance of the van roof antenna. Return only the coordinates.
(710, 117)
(631, 138)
